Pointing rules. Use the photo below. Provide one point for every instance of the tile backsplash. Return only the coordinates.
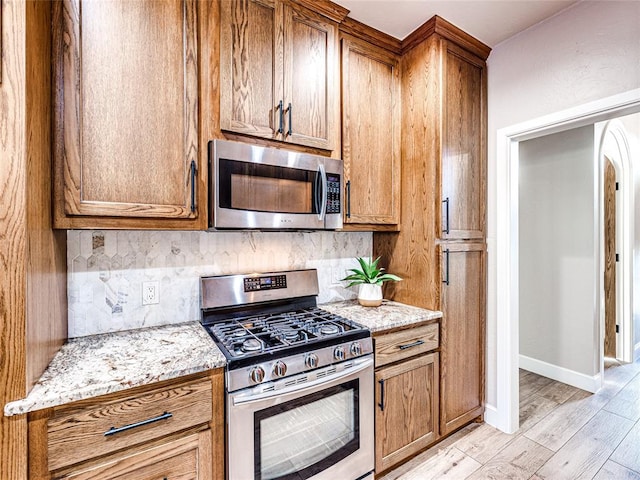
(106, 270)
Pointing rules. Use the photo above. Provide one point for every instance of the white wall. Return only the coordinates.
(587, 52)
(557, 269)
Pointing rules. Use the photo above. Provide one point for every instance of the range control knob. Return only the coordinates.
(338, 353)
(356, 349)
(279, 369)
(257, 374)
(311, 360)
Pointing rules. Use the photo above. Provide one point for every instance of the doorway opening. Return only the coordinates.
(505, 286)
(617, 229)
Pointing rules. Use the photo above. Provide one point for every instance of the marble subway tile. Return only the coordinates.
(106, 270)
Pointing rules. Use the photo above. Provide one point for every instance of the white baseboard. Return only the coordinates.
(491, 416)
(561, 374)
(636, 352)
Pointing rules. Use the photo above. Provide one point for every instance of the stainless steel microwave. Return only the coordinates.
(256, 187)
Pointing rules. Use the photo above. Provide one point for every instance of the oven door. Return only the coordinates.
(268, 188)
(317, 425)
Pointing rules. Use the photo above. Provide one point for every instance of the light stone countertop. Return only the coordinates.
(87, 367)
(387, 316)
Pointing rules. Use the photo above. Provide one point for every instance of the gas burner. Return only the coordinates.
(238, 333)
(251, 345)
(329, 329)
(290, 334)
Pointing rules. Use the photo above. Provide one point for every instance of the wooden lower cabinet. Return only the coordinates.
(187, 457)
(172, 430)
(406, 409)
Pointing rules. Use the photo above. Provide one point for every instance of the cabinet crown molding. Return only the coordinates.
(371, 35)
(438, 25)
(326, 8)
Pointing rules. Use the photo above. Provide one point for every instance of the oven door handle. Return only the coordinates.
(360, 364)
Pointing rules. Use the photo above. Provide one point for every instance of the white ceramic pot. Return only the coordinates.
(370, 295)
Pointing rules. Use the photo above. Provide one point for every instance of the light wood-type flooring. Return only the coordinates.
(565, 433)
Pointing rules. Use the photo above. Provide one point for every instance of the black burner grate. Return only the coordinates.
(258, 334)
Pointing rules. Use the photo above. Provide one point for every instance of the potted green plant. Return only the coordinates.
(370, 279)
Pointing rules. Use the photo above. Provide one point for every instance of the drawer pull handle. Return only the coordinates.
(114, 430)
(409, 345)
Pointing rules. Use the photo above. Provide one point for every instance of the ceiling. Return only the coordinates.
(490, 21)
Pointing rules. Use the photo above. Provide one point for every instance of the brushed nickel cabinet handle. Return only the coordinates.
(114, 430)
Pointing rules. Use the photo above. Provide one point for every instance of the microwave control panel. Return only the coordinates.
(333, 193)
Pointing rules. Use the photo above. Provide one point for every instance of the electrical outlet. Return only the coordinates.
(150, 293)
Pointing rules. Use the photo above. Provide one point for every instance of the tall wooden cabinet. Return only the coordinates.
(127, 152)
(279, 72)
(371, 117)
(440, 250)
(33, 293)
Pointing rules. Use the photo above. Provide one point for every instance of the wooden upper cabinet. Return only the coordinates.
(252, 79)
(278, 72)
(463, 155)
(371, 119)
(126, 125)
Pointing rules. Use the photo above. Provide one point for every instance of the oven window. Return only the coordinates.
(307, 435)
(266, 188)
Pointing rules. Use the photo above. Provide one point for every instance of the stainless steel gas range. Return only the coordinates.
(299, 380)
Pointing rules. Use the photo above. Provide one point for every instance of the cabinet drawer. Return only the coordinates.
(187, 457)
(75, 436)
(392, 347)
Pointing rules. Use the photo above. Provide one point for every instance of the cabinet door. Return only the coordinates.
(310, 78)
(370, 133)
(251, 67)
(126, 108)
(188, 457)
(407, 409)
(463, 144)
(462, 335)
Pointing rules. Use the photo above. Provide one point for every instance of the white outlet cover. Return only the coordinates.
(150, 293)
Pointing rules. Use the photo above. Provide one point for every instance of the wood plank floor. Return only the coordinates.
(565, 433)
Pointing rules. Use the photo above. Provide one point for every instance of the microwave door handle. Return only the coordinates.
(322, 194)
(317, 200)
